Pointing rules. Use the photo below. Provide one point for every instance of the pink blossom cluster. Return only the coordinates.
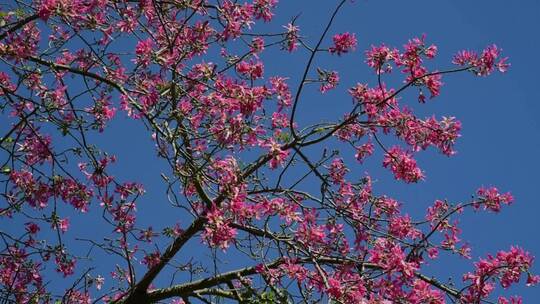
(251, 70)
(337, 171)
(218, 232)
(38, 193)
(36, 147)
(343, 43)
(341, 243)
(380, 57)
(402, 164)
(329, 80)
(506, 267)
(20, 272)
(291, 37)
(491, 199)
(421, 134)
(374, 100)
(238, 16)
(278, 156)
(263, 9)
(151, 259)
(485, 63)
(390, 256)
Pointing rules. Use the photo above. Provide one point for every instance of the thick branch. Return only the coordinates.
(188, 288)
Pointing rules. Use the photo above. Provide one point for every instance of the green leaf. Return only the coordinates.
(20, 12)
(284, 137)
(8, 140)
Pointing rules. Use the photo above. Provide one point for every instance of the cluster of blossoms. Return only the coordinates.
(37, 193)
(103, 112)
(36, 147)
(21, 273)
(484, 64)
(506, 267)
(238, 17)
(421, 134)
(251, 70)
(402, 165)
(277, 154)
(343, 43)
(329, 80)
(343, 244)
(292, 37)
(337, 171)
(380, 58)
(218, 232)
(491, 199)
(364, 151)
(151, 259)
(263, 9)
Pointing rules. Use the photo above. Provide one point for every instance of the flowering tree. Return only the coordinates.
(191, 71)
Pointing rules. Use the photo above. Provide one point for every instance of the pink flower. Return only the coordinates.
(144, 51)
(390, 256)
(68, 8)
(291, 37)
(6, 84)
(151, 259)
(99, 281)
(309, 233)
(402, 165)
(343, 43)
(533, 280)
(379, 58)
(433, 253)
(374, 100)
(278, 156)
(334, 288)
(337, 171)
(74, 193)
(484, 64)
(252, 70)
(102, 111)
(423, 292)
(512, 300)
(37, 148)
(63, 225)
(363, 151)
(257, 45)
(281, 89)
(329, 80)
(491, 199)
(294, 270)
(32, 228)
(433, 84)
(217, 231)
(263, 9)
(506, 267)
(64, 263)
(421, 134)
(239, 16)
(402, 227)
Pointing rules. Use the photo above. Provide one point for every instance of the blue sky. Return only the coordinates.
(500, 114)
(499, 142)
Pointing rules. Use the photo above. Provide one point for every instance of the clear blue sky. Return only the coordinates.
(500, 114)
(500, 142)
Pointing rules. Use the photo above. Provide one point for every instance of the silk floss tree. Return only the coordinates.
(250, 181)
